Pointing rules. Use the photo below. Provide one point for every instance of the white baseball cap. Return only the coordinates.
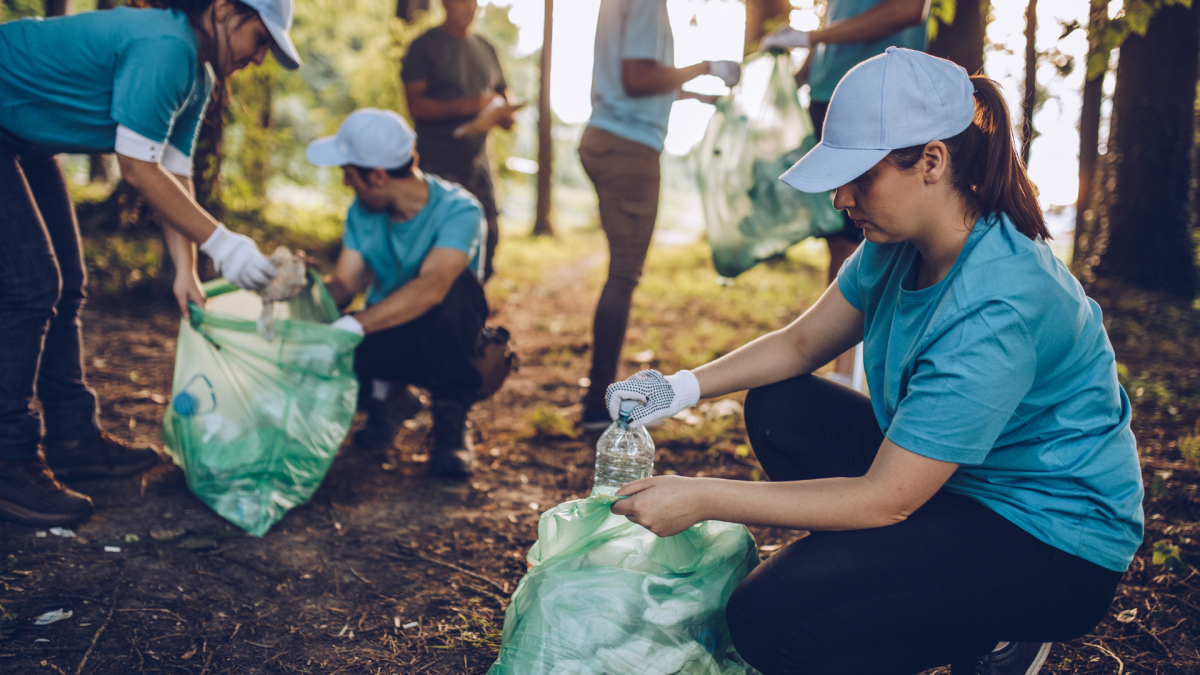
(277, 17)
(368, 137)
(898, 99)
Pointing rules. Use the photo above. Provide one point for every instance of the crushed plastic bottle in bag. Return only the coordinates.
(291, 278)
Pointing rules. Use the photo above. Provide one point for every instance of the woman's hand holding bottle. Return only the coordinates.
(661, 396)
(237, 259)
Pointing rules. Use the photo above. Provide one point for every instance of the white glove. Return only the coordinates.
(238, 260)
(661, 397)
(348, 323)
(784, 37)
(729, 71)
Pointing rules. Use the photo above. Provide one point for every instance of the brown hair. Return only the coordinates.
(194, 10)
(985, 167)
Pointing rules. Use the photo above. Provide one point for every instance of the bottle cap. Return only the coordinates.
(627, 407)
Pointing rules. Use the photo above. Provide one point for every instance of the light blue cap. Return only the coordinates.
(277, 16)
(370, 138)
(898, 99)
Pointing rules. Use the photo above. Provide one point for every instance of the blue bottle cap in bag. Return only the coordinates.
(627, 407)
(184, 403)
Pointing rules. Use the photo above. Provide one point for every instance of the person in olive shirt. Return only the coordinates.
(450, 76)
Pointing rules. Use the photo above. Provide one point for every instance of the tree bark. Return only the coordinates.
(407, 9)
(1149, 238)
(758, 13)
(541, 223)
(962, 41)
(1089, 137)
(58, 7)
(1030, 94)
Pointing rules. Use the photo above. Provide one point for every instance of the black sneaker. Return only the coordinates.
(385, 417)
(30, 495)
(97, 456)
(453, 453)
(1015, 658)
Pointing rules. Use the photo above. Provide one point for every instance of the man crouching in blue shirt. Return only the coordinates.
(413, 243)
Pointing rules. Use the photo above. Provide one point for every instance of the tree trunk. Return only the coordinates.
(962, 40)
(758, 13)
(1149, 242)
(1089, 136)
(1030, 94)
(541, 224)
(58, 7)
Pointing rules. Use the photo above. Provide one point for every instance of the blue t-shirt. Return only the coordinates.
(635, 30)
(67, 82)
(1004, 367)
(394, 251)
(832, 62)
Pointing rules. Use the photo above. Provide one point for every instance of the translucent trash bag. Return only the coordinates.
(256, 424)
(758, 132)
(604, 596)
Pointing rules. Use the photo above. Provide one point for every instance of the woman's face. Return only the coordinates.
(241, 39)
(886, 202)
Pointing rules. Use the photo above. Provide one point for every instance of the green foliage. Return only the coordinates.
(19, 9)
(1167, 554)
(941, 13)
(1107, 34)
(547, 422)
(1189, 447)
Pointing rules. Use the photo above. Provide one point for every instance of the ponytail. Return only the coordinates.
(984, 165)
(195, 10)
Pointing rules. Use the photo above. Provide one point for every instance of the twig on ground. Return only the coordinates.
(1120, 664)
(1147, 631)
(502, 587)
(55, 668)
(361, 577)
(95, 638)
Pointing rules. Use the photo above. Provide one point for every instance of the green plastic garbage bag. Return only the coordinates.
(758, 132)
(256, 424)
(604, 596)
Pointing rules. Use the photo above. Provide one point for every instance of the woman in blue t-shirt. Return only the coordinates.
(134, 82)
(984, 501)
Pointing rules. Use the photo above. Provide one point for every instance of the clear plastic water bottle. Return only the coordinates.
(623, 454)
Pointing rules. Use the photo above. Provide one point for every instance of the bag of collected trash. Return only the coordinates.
(255, 424)
(606, 596)
(758, 132)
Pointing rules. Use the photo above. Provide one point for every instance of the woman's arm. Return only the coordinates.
(827, 329)
(183, 256)
(169, 198)
(895, 486)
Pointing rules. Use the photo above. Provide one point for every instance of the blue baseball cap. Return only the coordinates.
(277, 17)
(368, 137)
(898, 99)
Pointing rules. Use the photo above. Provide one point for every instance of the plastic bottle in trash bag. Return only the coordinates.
(623, 454)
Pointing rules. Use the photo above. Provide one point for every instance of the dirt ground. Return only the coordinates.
(389, 571)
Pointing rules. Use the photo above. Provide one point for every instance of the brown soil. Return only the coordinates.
(337, 585)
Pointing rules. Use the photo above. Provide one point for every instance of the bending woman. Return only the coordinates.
(984, 501)
(135, 81)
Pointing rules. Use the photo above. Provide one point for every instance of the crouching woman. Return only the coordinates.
(983, 502)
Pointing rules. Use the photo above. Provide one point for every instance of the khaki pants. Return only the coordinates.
(626, 176)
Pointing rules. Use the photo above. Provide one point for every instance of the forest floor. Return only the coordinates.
(386, 570)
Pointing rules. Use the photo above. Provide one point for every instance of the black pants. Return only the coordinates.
(434, 350)
(42, 283)
(477, 179)
(945, 585)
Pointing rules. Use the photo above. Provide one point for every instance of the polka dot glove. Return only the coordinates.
(660, 396)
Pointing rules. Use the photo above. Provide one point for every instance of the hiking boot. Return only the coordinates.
(453, 453)
(385, 417)
(30, 495)
(1015, 658)
(97, 456)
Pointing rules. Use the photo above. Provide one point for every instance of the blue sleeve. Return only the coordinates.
(966, 386)
(187, 125)
(350, 238)
(152, 83)
(847, 279)
(641, 31)
(460, 228)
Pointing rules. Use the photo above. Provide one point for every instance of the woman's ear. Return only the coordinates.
(935, 162)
